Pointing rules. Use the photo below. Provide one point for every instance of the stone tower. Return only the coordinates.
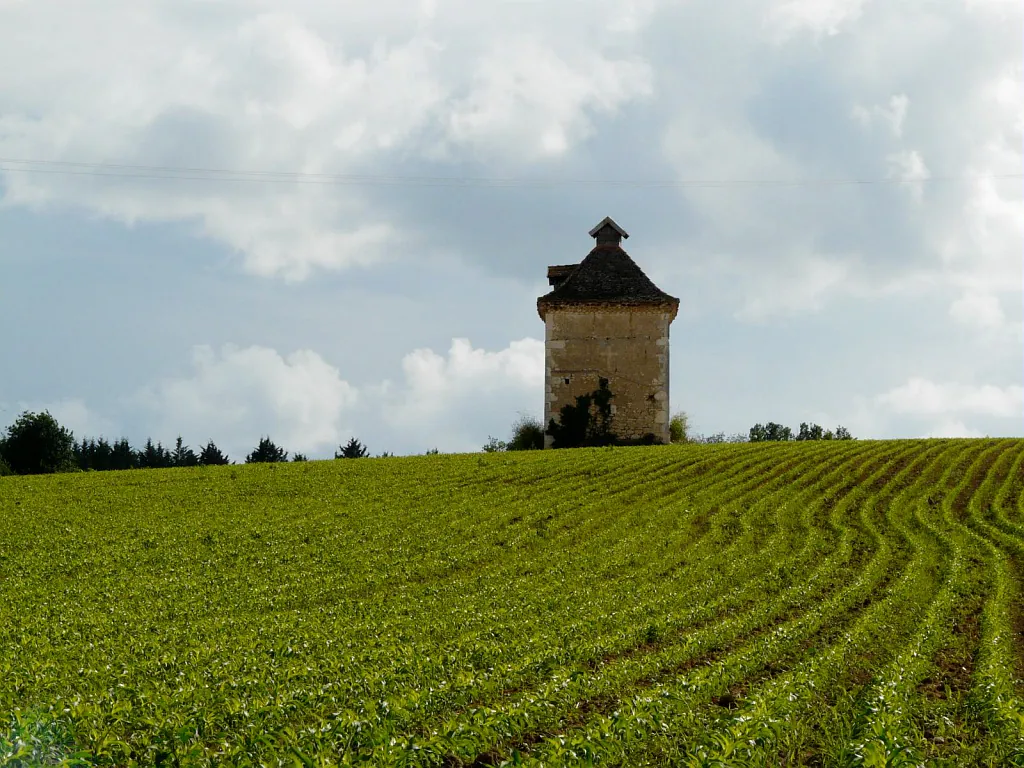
(604, 318)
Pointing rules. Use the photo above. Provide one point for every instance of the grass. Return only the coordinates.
(830, 603)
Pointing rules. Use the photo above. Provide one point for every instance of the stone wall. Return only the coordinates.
(628, 346)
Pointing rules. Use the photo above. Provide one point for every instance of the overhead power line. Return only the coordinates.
(172, 173)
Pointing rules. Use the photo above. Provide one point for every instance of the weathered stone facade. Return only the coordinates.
(606, 319)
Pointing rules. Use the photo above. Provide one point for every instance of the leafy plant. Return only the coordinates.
(679, 427)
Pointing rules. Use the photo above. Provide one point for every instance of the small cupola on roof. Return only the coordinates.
(607, 232)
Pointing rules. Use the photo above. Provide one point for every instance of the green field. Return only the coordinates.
(820, 603)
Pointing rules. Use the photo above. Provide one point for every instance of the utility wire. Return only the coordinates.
(169, 173)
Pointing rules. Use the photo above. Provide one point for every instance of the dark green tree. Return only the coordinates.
(103, 455)
(815, 432)
(148, 455)
(353, 449)
(123, 456)
(770, 432)
(100, 455)
(211, 455)
(812, 432)
(155, 456)
(4, 468)
(267, 453)
(300, 457)
(183, 456)
(36, 444)
(83, 453)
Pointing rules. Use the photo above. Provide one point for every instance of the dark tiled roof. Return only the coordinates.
(607, 276)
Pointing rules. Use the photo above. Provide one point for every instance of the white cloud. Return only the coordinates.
(819, 17)
(466, 396)
(978, 310)
(309, 90)
(1001, 8)
(528, 97)
(795, 288)
(946, 236)
(236, 395)
(921, 397)
(908, 165)
(894, 114)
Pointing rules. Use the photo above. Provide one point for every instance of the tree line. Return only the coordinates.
(37, 444)
(679, 429)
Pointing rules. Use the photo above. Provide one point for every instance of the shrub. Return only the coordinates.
(494, 445)
(717, 438)
(679, 427)
(5, 470)
(527, 434)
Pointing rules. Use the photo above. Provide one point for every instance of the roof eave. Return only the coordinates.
(549, 302)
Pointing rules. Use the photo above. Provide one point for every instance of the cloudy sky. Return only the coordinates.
(313, 220)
